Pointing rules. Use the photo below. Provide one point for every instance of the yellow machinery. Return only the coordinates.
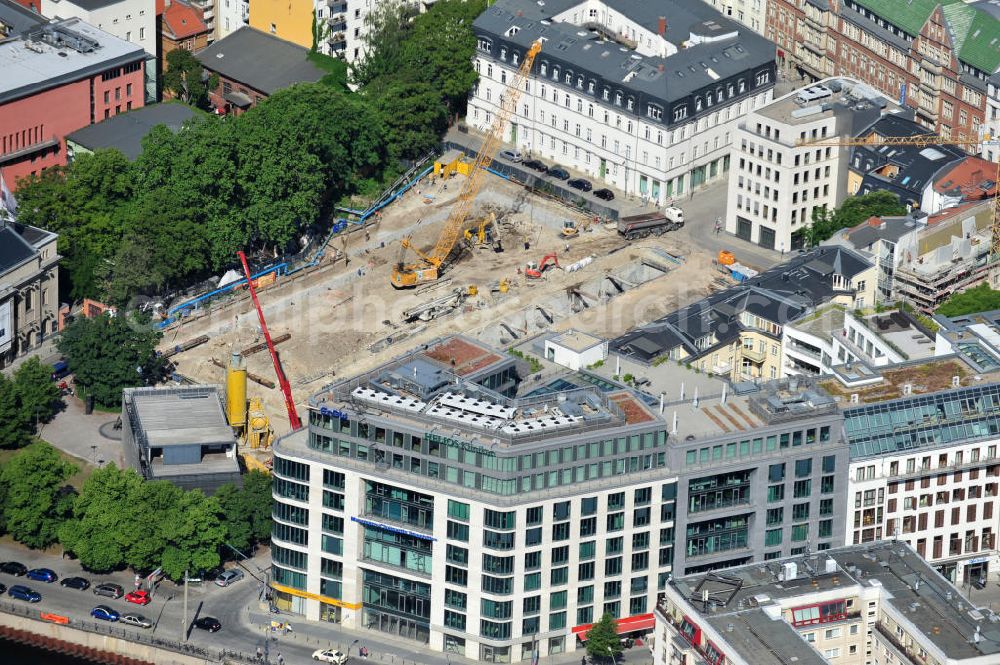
(259, 430)
(925, 140)
(236, 392)
(487, 226)
(569, 229)
(407, 275)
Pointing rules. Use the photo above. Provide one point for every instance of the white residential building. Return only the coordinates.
(992, 150)
(639, 97)
(231, 16)
(776, 184)
(751, 13)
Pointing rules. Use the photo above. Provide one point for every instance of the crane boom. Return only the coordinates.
(923, 140)
(403, 276)
(293, 416)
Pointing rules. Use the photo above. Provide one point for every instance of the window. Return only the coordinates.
(458, 510)
(802, 489)
(803, 468)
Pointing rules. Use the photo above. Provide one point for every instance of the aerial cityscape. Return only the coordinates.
(429, 332)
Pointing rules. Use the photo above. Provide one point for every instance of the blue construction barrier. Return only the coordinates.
(177, 311)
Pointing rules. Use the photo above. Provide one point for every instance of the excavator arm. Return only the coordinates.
(406, 275)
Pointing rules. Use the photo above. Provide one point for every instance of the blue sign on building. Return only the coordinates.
(393, 529)
(333, 413)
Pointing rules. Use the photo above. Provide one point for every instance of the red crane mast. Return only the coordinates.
(293, 416)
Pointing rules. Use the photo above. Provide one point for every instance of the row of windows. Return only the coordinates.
(756, 446)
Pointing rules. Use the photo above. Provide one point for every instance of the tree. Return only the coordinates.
(185, 78)
(246, 511)
(386, 29)
(109, 353)
(977, 299)
(851, 213)
(413, 116)
(105, 521)
(193, 535)
(602, 639)
(37, 500)
(37, 394)
(12, 431)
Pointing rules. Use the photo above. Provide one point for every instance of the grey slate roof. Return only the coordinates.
(780, 295)
(734, 51)
(891, 229)
(14, 250)
(260, 61)
(126, 130)
(18, 19)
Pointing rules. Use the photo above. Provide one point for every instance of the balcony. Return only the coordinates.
(753, 355)
(337, 22)
(337, 41)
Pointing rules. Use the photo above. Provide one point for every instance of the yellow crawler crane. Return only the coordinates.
(429, 268)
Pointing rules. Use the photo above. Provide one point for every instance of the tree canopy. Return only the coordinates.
(977, 299)
(602, 639)
(247, 510)
(30, 397)
(37, 500)
(185, 78)
(109, 353)
(852, 212)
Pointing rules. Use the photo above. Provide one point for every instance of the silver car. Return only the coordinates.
(136, 620)
(228, 577)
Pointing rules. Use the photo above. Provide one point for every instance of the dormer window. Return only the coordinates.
(730, 89)
(503, 52)
(654, 112)
(763, 77)
(485, 44)
(743, 86)
(606, 94)
(543, 69)
(708, 99)
(680, 112)
(590, 87)
(555, 73)
(630, 104)
(697, 104)
(618, 98)
(569, 78)
(514, 57)
(579, 82)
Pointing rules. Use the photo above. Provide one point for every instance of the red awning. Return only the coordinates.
(781, 54)
(631, 624)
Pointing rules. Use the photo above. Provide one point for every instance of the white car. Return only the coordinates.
(228, 577)
(511, 155)
(136, 620)
(330, 656)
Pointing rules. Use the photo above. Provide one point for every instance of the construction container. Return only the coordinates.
(236, 391)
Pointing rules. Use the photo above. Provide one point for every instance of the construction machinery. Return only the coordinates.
(569, 229)
(925, 140)
(286, 389)
(535, 270)
(430, 266)
(487, 233)
(439, 306)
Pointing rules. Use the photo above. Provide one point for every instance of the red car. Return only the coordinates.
(138, 597)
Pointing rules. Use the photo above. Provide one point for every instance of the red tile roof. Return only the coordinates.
(969, 175)
(181, 21)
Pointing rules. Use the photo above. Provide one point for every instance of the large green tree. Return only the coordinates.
(104, 520)
(38, 396)
(852, 212)
(193, 536)
(602, 639)
(246, 510)
(37, 500)
(185, 78)
(386, 30)
(108, 354)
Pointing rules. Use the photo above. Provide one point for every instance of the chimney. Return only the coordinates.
(662, 29)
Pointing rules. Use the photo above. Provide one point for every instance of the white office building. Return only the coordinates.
(641, 97)
(776, 184)
(751, 13)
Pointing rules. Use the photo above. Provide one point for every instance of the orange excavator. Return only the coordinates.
(536, 270)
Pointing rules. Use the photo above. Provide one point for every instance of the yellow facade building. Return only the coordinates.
(290, 20)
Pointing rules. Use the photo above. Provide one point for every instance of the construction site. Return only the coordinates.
(465, 250)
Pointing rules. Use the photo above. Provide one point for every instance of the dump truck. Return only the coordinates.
(634, 227)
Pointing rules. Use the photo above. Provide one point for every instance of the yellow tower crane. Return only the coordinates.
(406, 275)
(926, 140)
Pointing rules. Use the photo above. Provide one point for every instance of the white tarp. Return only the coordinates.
(6, 325)
(230, 277)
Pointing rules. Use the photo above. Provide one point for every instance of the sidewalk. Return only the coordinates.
(384, 648)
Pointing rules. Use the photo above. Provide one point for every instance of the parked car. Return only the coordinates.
(536, 165)
(109, 590)
(136, 620)
(605, 194)
(211, 624)
(105, 613)
(581, 184)
(511, 155)
(558, 173)
(139, 597)
(42, 575)
(330, 656)
(3, 588)
(75, 583)
(228, 577)
(13, 568)
(22, 592)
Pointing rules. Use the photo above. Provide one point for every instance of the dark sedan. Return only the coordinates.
(75, 583)
(13, 568)
(536, 165)
(558, 173)
(605, 194)
(581, 184)
(211, 624)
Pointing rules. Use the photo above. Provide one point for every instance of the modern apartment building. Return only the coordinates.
(935, 56)
(452, 497)
(29, 288)
(776, 183)
(641, 97)
(871, 604)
